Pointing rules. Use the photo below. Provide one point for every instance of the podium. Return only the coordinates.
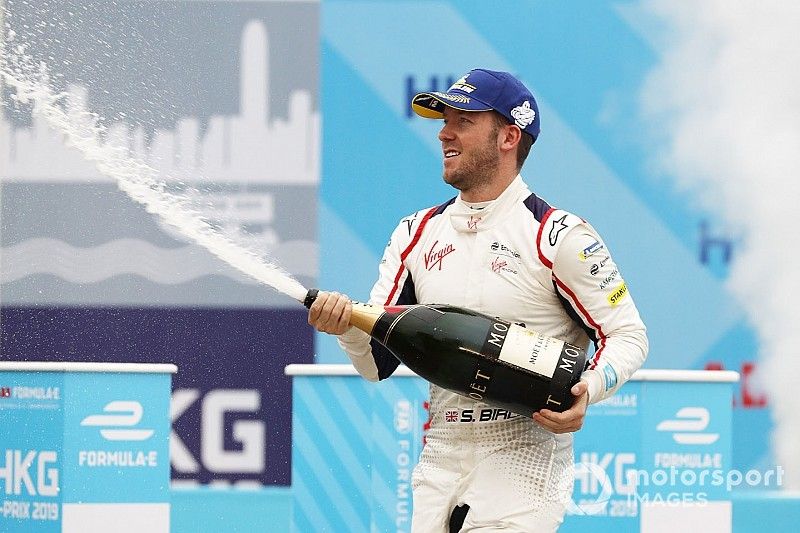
(84, 447)
(654, 457)
(657, 456)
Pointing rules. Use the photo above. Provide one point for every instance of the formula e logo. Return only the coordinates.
(688, 426)
(125, 414)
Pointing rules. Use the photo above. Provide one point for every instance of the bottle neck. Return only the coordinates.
(365, 316)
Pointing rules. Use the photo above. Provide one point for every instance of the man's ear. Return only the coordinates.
(510, 137)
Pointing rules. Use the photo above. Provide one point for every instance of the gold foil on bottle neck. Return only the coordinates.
(365, 316)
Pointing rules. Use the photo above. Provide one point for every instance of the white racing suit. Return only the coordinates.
(519, 259)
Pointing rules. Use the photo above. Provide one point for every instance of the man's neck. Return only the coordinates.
(489, 191)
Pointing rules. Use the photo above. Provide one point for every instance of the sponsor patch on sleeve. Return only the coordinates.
(611, 377)
(590, 250)
(617, 295)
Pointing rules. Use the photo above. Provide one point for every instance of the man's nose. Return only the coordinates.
(446, 134)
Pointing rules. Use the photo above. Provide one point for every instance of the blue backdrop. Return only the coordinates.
(267, 71)
(586, 63)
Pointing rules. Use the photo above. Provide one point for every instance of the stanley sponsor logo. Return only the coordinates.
(619, 293)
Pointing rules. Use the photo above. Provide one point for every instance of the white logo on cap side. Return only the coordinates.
(523, 114)
(462, 85)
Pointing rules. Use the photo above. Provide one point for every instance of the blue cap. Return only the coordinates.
(484, 90)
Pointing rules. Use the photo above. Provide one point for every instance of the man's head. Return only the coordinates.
(487, 90)
(477, 152)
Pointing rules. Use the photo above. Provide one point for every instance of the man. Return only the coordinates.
(499, 249)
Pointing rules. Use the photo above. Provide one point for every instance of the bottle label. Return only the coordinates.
(531, 350)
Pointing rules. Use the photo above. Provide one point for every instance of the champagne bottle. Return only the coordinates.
(484, 358)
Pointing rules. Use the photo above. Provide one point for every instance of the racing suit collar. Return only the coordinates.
(468, 220)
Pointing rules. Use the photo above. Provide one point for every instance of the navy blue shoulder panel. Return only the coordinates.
(385, 360)
(441, 208)
(537, 206)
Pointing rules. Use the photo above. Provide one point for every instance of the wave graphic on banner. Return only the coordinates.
(166, 266)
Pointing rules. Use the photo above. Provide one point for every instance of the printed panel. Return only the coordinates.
(687, 446)
(31, 451)
(116, 438)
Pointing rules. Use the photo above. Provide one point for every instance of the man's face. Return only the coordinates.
(470, 148)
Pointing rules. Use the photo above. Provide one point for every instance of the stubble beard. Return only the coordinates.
(477, 170)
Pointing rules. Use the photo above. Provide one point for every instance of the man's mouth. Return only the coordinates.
(451, 153)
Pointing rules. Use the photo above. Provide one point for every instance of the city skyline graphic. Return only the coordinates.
(248, 147)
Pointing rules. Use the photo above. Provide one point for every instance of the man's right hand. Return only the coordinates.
(330, 313)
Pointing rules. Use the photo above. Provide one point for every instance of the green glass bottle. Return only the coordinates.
(484, 358)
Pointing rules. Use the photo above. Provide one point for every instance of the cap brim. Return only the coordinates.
(431, 105)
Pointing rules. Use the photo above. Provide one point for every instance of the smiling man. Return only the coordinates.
(499, 249)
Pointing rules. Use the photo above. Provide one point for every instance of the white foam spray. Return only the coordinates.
(725, 98)
(83, 130)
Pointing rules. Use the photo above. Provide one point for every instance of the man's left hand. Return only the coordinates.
(571, 419)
